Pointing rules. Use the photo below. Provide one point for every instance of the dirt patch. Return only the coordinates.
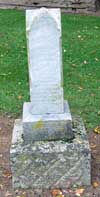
(6, 126)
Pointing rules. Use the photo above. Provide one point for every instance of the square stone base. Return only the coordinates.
(47, 126)
(51, 164)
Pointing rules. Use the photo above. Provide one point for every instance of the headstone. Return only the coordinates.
(48, 149)
(45, 61)
(46, 117)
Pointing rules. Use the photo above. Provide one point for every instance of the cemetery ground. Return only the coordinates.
(81, 63)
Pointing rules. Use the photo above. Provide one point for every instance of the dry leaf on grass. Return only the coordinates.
(97, 130)
(80, 88)
(20, 97)
(95, 184)
(85, 62)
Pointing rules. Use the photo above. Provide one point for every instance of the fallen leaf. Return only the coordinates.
(85, 62)
(74, 65)
(56, 192)
(20, 196)
(95, 184)
(97, 130)
(79, 36)
(80, 191)
(20, 97)
(96, 59)
(77, 194)
(80, 88)
(24, 193)
(7, 174)
(77, 140)
(93, 145)
(60, 196)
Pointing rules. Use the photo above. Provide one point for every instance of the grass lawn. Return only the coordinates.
(81, 62)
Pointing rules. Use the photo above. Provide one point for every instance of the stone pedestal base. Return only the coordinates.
(46, 126)
(51, 164)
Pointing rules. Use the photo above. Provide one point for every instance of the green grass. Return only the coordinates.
(81, 40)
(13, 61)
(81, 62)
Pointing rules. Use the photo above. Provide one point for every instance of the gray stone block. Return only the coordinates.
(47, 126)
(44, 164)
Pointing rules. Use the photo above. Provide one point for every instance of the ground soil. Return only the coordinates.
(6, 190)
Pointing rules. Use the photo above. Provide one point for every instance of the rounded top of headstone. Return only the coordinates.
(32, 15)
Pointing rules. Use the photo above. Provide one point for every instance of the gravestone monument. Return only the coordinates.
(49, 148)
(46, 117)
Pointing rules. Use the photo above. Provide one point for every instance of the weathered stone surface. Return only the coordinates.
(68, 5)
(46, 126)
(45, 60)
(51, 164)
(45, 117)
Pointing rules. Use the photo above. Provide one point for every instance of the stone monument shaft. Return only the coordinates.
(45, 60)
(46, 116)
